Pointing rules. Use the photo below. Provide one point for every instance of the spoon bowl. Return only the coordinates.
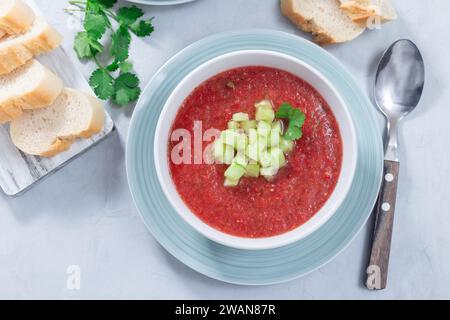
(400, 79)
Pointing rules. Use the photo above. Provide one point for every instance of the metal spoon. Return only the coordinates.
(398, 88)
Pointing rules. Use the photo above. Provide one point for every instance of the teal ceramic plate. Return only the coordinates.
(160, 2)
(241, 266)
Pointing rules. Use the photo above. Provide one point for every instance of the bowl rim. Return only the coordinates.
(246, 243)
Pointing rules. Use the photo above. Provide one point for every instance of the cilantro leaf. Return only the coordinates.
(126, 88)
(293, 133)
(296, 121)
(102, 83)
(120, 43)
(129, 15)
(284, 111)
(95, 25)
(85, 47)
(125, 66)
(142, 28)
(106, 3)
(297, 118)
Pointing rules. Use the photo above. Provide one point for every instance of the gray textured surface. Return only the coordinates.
(84, 214)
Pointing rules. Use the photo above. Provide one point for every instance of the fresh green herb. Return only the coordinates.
(296, 120)
(114, 80)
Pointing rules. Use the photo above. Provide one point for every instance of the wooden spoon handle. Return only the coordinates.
(381, 244)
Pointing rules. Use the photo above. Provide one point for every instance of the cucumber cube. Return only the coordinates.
(264, 104)
(241, 159)
(235, 171)
(231, 182)
(263, 114)
(252, 170)
(252, 136)
(229, 137)
(265, 159)
(269, 172)
(241, 142)
(240, 116)
(223, 153)
(249, 124)
(233, 125)
(274, 139)
(264, 128)
(262, 144)
(277, 157)
(278, 126)
(252, 152)
(286, 145)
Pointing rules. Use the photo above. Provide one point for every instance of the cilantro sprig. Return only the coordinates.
(113, 79)
(296, 120)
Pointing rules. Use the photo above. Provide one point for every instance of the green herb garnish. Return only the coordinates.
(296, 120)
(113, 80)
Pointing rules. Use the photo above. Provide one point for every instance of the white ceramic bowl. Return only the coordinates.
(269, 59)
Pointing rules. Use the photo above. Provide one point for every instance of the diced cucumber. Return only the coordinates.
(269, 172)
(241, 142)
(235, 171)
(249, 124)
(223, 153)
(229, 137)
(264, 104)
(231, 182)
(264, 111)
(265, 159)
(264, 128)
(278, 125)
(241, 159)
(233, 125)
(252, 136)
(240, 116)
(277, 157)
(286, 145)
(274, 139)
(252, 151)
(252, 170)
(263, 114)
(262, 144)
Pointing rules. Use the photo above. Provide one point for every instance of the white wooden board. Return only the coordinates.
(19, 171)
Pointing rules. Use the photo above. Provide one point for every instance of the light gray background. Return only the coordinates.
(84, 214)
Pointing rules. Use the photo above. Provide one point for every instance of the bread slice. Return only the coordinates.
(323, 18)
(16, 17)
(15, 50)
(28, 87)
(49, 131)
(361, 10)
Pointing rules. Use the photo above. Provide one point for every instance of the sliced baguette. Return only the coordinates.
(361, 10)
(16, 17)
(49, 131)
(30, 86)
(323, 18)
(17, 50)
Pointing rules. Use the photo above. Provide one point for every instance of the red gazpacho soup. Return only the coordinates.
(257, 208)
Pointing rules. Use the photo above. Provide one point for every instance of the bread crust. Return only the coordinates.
(18, 19)
(17, 54)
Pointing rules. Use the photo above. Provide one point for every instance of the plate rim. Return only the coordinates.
(254, 32)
